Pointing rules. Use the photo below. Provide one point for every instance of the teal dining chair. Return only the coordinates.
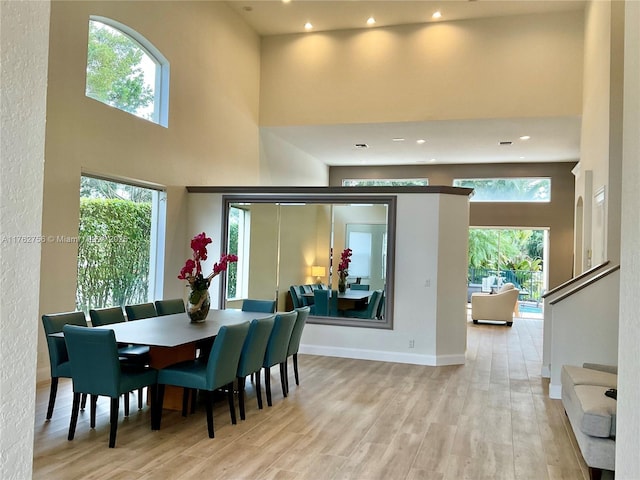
(140, 311)
(170, 307)
(321, 302)
(252, 356)
(294, 344)
(295, 297)
(359, 286)
(371, 310)
(96, 370)
(277, 348)
(58, 356)
(260, 306)
(218, 371)
(135, 355)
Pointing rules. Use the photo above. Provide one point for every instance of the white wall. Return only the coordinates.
(515, 66)
(430, 289)
(628, 427)
(23, 55)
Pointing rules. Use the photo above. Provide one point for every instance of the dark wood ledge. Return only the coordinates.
(442, 189)
(592, 280)
(576, 279)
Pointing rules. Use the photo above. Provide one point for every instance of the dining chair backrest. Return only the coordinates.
(93, 354)
(106, 316)
(321, 302)
(359, 286)
(278, 345)
(372, 307)
(296, 334)
(58, 355)
(222, 365)
(261, 306)
(333, 303)
(140, 311)
(170, 307)
(380, 313)
(295, 297)
(306, 289)
(255, 346)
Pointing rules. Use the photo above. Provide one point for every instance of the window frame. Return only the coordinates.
(478, 199)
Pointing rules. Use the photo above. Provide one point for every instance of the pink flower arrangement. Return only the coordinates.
(192, 270)
(343, 266)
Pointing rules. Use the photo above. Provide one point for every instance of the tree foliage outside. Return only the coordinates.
(114, 71)
(96, 188)
(514, 255)
(399, 182)
(507, 189)
(232, 268)
(113, 253)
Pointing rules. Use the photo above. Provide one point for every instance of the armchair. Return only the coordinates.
(497, 307)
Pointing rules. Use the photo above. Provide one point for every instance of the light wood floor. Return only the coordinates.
(349, 419)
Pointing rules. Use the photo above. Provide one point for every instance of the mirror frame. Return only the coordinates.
(389, 200)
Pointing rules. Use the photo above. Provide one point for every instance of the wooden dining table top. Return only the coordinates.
(175, 330)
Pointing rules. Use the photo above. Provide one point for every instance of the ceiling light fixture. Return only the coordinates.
(398, 139)
(371, 21)
(436, 14)
(525, 137)
(308, 26)
(420, 141)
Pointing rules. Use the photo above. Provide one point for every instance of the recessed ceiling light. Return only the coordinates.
(308, 26)
(371, 21)
(436, 14)
(286, 1)
(420, 141)
(398, 139)
(525, 137)
(432, 160)
(521, 158)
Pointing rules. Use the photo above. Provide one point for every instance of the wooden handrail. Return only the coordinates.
(576, 289)
(575, 279)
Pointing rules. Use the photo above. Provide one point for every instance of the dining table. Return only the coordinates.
(174, 338)
(347, 299)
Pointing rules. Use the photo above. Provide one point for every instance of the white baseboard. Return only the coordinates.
(555, 391)
(383, 356)
(545, 372)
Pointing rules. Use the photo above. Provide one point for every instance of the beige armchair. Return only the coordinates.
(497, 307)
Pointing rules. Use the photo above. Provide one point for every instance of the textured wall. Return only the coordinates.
(24, 52)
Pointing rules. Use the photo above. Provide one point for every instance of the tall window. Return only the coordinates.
(507, 189)
(238, 273)
(120, 244)
(125, 71)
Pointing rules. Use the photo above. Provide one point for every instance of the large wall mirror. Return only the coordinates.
(289, 249)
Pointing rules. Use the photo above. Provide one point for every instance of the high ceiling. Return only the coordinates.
(446, 142)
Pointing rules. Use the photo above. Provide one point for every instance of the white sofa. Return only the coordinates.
(591, 413)
(499, 306)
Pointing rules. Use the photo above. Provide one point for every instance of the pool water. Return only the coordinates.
(528, 308)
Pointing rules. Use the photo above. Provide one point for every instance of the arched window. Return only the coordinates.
(125, 71)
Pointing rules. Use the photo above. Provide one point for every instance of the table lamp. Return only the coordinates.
(318, 272)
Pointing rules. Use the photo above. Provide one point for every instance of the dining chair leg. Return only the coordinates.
(159, 402)
(113, 421)
(295, 368)
(126, 404)
(283, 380)
(140, 404)
(194, 398)
(258, 390)
(232, 405)
(83, 401)
(74, 416)
(267, 384)
(185, 400)
(241, 382)
(52, 396)
(153, 392)
(209, 408)
(93, 406)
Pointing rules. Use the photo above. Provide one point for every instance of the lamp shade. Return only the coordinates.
(317, 271)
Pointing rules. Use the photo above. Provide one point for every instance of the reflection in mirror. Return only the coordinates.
(289, 249)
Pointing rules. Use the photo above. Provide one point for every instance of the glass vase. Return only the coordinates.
(198, 305)
(342, 285)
